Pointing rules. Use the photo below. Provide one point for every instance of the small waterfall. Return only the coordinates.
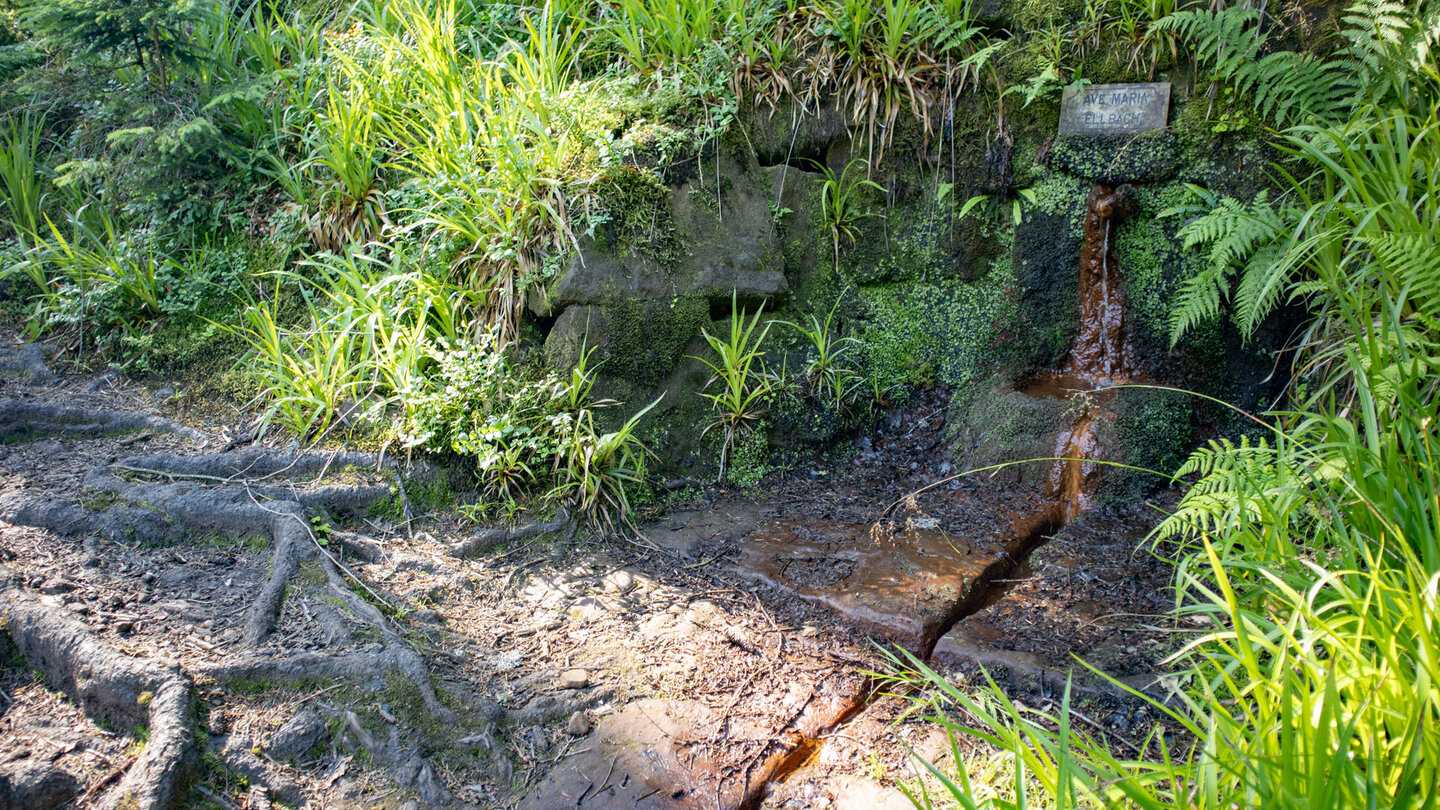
(1100, 355)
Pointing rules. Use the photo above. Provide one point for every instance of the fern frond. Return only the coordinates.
(1287, 87)
(1250, 240)
(1238, 483)
(1376, 30)
(1413, 261)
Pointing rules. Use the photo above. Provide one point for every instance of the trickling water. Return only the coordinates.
(1100, 355)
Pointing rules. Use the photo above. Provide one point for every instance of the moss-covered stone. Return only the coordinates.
(991, 423)
(643, 340)
(1149, 157)
(1152, 430)
(919, 333)
(1046, 266)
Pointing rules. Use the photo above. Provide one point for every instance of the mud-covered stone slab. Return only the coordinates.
(895, 586)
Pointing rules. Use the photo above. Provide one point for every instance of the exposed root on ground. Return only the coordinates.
(240, 494)
(22, 421)
(490, 538)
(29, 360)
(111, 688)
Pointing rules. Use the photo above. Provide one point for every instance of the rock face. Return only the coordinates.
(978, 303)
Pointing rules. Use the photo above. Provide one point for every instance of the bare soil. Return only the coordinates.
(194, 620)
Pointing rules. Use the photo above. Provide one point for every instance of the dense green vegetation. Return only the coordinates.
(358, 202)
(1313, 552)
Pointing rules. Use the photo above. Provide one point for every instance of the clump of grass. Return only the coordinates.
(743, 385)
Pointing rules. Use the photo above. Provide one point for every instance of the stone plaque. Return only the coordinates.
(1114, 109)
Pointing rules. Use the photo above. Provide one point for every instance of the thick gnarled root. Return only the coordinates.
(111, 688)
(29, 361)
(245, 493)
(20, 421)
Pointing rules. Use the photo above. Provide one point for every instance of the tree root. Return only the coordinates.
(20, 421)
(238, 508)
(489, 538)
(113, 688)
(30, 361)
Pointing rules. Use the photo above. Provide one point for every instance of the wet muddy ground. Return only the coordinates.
(718, 661)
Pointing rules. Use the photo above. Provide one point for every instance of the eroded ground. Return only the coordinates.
(717, 661)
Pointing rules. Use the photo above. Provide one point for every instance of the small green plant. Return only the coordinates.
(351, 209)
(841, 207)
(828, 371)
(532, 435)
(743, 384)
(598, 469)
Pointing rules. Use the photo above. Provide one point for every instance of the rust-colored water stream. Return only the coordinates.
(1099, 357)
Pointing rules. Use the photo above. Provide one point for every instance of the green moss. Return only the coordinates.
(254, 543)
(633, 217)
(1063, 195)
(916, 334)
(408, 706)
(245, 686)
(311, 574)
(749, 460)
(99, 500)
(430, 494)
(648, 337)
(1145, 158)
(1154, 430)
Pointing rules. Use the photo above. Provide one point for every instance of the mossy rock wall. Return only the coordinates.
(976, 303)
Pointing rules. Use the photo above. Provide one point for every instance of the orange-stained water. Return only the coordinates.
(1099, 357)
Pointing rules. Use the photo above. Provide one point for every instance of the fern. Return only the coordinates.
(1414, 260)
(1287, 87)
(1253, 241)
(1376, 30)
(1238, 484)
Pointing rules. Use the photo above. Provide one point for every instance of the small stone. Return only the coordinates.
(702, 612)
(574, 679)
(163, 393)
(655, 625)
(57, 585)
(124, 627)
(586, 609)
(579, 725)
(148, 577)
(619, 581)
(545, 622)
